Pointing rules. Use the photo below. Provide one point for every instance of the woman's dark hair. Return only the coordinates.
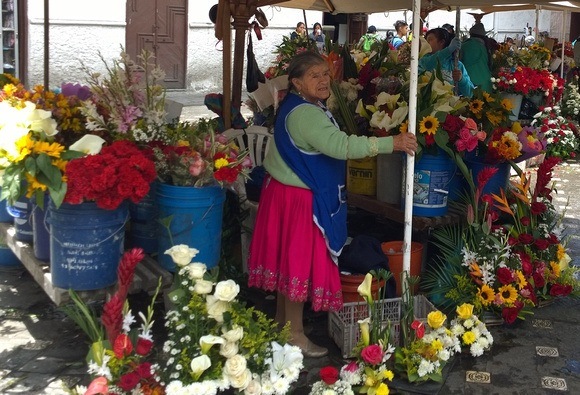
(400, 24)
(441, 34)
(317, 24)
(299, 24)
(301, 63)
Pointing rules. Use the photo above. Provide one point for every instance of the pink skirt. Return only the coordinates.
(288, 253)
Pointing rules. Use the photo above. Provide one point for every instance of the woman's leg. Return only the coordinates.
(294, 314)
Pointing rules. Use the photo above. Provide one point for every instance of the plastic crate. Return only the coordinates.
(343, 325)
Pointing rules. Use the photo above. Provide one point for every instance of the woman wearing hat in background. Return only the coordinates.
(476, 57)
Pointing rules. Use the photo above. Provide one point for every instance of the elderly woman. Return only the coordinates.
(442, 50)
(301, 222)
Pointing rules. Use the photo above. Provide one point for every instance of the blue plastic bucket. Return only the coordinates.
(20, 211)
(86, 244)
(432, 177)
(4, 216)
(196, 220)
(7, 257)
(497, 182)
(41, 235)
(143, 223)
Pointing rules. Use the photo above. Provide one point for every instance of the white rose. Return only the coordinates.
(200, 364)
(227, 290)
(229, 349)
(196, 270)
(181, 254)
(216, 308)
(235, 366)
(203, 287)
(253, 388)
(242, 381)
(235, 334)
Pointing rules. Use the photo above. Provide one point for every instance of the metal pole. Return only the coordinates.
(46, 44)
(410, 167)
(563, 41)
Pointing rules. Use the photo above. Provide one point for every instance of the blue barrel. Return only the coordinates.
(143, 223)
(20, 211)
(497, 182)
(195, 219)
(432, 180)
(7, 257)
(40, 233)
(86, 244)
(4, 216)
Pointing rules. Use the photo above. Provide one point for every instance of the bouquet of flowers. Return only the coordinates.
(330, 383)
(215, 342)
(119, 172)
(489, 110)
(129, 102)
(285, 52)
(471, 331)
(118, 356)
(535, 56)
(535, 235)
(197, 156)
(528, 81)
(571, 101)
(560, 133)
(424, 357)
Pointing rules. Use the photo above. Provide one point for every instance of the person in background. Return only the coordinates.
(400, 37)
(300, 226)
(477, 57)
(450, 29)
(442, 50)
(299, 32)
(318, 36)
(367, 40)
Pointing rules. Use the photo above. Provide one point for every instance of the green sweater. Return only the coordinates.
(475, 59)
(312, 131)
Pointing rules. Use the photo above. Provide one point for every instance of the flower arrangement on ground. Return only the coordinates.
(471, 331)
(528, 81)
(560, 133)
(571, 101)
(330, 383)
(119, 172)
(197, 156)
(119, 355)
(129, 101)
(215, 342)
(536, 236)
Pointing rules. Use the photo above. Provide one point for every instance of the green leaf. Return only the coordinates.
(70, 154)
(57, 195)
(49, 174)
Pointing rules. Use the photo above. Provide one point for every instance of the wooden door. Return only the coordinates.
(160, 26)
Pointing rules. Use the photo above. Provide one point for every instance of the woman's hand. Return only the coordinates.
(406, 142)
(457, 75)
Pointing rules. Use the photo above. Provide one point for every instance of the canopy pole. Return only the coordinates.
(562, 41)
(46, 44)
(537, 30)
(410, 166)
(305, 22)
(227, 66)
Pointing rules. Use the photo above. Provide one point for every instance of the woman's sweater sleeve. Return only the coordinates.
(311, 130)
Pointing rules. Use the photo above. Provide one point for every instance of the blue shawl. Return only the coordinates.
(324, 175)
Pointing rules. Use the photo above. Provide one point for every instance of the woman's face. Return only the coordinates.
(300, 28)
(434, 42)
(315, 84)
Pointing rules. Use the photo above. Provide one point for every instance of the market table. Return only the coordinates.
(147, 273)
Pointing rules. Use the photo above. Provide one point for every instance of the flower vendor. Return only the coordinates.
(442, 53)
(301, 222)
(476, 55)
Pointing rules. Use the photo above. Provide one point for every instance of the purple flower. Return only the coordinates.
(81, 91)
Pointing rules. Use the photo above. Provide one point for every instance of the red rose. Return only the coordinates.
(538, 208)
(541, 244)
(539, 279)
(505, 275)
(144, 370)
(129, 381)
(526, 238)
(122, 346)
(372, 354)
(452, 123)
(144, 346)
(553, 239)
(560, 290)
(329, 374)
(510, 314)
(512, 241)
(526, 263)
(525, 221)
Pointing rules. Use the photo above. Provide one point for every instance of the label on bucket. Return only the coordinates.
(429, 189)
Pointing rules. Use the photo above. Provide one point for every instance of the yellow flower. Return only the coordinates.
(555, 269)
(183, 143)
(364, 326)
(364, 289)
(488, 98)
(437, 344)
(404, 127)
(508, 294)
(521, 279)
(51, 149)
(464, 311)
(10, 89)
(468, 337)
(516, 127)
(475, 106)
(33, 185)
(429, 125)
(221, 162)
(560, 252)
(382, 389)
(486, 295)
(24, 147)
(435, 319)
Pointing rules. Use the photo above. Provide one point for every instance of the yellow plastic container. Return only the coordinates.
(361, 176)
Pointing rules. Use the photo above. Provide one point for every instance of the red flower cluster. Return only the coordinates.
(119, 172)
(527, 81)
